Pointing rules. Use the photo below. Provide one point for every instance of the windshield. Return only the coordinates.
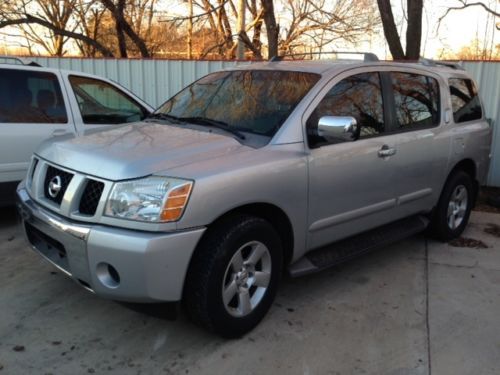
(254, 101)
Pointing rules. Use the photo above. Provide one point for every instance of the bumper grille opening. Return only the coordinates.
(47, 246)
(64, 179)
(90, 197)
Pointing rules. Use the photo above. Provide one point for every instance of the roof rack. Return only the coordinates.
(18, 61)
(368, 56)
(430, 62)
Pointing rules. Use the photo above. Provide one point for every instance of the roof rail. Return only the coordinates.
(18, 61)
(430, 62)
(368, 56)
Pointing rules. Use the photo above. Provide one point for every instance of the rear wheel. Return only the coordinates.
(453, 210)
(233, 276)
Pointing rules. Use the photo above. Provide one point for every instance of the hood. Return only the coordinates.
(137, 150)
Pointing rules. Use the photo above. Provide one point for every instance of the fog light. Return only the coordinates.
(108, 275)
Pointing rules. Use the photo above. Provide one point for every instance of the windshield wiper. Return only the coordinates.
(214, 123)
(164, 116)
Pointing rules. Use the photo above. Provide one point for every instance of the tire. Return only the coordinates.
(249, 285)
(453, 210)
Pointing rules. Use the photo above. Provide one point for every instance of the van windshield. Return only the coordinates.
(254, 101)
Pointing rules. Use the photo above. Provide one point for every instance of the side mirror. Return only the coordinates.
(337, 129)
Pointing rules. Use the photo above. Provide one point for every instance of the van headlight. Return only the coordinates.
(151, 199)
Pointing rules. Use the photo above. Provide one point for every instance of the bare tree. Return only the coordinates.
(22, 13)
(413, 29)
(58, 12)
(318, 23)
(117, 9)
(464, 4)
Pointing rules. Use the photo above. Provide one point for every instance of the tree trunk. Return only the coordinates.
(118, 15)
(120, 18)
(271, 27)
(390, 30)
(414, 29)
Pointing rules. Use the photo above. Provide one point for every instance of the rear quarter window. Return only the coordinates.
(465, 101)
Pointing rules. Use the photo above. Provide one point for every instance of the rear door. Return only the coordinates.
(32, 109)
(422, 144)
(351, 184)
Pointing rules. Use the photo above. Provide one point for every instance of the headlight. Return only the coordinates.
(153, 199)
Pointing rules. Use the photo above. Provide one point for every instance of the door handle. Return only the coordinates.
(386, 151)
(58, 132)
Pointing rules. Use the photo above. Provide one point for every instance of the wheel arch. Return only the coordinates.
(271, 213)
(468, 166)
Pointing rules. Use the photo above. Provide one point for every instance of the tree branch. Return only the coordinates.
(467, 5)
(29, 19)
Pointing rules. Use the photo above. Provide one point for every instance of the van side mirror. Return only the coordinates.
(338, 128)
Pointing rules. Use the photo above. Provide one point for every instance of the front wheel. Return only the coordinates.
(453, 210)
(233, 276)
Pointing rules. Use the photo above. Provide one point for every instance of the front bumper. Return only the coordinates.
(116, 263)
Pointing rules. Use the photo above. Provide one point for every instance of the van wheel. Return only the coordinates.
(454, 207)
(233, 276)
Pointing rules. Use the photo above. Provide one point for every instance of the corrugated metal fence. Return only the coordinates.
(487, 75)
(157, 80)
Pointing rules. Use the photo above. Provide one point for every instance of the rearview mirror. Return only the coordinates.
(338, 128)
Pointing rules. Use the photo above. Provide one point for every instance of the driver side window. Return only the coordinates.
(102, 103)
(358, 96)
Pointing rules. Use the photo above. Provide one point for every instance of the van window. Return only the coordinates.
(464, 100)
(31, 97)
(416, 100)
(102, 103)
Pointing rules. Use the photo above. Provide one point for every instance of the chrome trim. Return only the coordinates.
(81, 232)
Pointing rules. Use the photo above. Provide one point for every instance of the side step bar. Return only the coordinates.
(346, 249)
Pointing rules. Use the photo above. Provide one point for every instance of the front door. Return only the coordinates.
(351, 183)
(101, 104)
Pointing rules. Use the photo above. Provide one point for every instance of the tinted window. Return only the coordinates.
(464, 100)
(253, 101)
(30, 97)
(417, 100)
(102, 103)
(358, 96)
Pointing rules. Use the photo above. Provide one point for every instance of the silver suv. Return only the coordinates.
(254, 171)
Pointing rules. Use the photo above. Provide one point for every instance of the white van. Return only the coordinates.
(38, 103)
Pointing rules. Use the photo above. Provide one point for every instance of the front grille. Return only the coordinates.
(50, 176)
(90, 197)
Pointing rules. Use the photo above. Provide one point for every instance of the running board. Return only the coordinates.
(348, 248)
